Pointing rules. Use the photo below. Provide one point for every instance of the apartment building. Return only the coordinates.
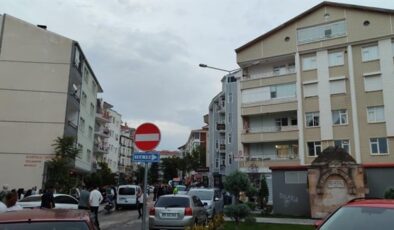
(101, 132)
(112, 157)
(323, 78)
(40, 100)
(126, 149)
(223, 129)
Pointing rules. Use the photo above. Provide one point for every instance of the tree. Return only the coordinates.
(59, 169)
(264, 192)
(153, 174)
(237, 182)
(170, 168)
(389, 194)
(237, 212)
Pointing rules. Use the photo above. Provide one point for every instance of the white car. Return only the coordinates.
(62, 201)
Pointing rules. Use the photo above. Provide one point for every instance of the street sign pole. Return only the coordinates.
(144, 227)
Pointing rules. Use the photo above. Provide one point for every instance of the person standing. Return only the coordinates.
(95, 199)
(4, 192)
(84, 197)
(47, 199)
(140, 202)
(10, 201)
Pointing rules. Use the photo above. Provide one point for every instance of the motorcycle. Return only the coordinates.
(109, 205)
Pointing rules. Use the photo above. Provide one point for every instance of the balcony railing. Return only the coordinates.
(280, 72)
(220, 126)
(103, 117)
(271, 129)
(277, 156)
(101, 148)
(222, 147)
(103, 132)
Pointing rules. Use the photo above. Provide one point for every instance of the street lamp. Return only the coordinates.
(210, 67)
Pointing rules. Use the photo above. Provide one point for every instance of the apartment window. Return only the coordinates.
(230, 97)
(86, 75)
(378, 146)
(84, 97)
(291, 67)
(293, 121)
(217, 163)
(256, 95)
(82, 125)
(80, 152)
(229, 118)
(89, 155)
(309, 63)
(283, 91)
(376, 114)
(279, 70)
(90, 131)
(282, 121)
(338, 86)
(222, 160)
(336, 59)
(373, 82)
(339, 117)
(369, 53)
(310, 90)
(91, 109)
(344, 144)
(314, 148)
(230, 158)
(297, 177)
(229, 138)
(312, 119)
(321, 32)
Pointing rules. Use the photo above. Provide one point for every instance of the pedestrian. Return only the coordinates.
(95, 199)
(140, 201)
(4, 192)
(155, 192)
(34, 190)
(83, 202)
(47, 199)
(10, 201)
(28, 192)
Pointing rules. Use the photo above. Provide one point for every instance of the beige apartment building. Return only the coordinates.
(41, 97)
(323, 78)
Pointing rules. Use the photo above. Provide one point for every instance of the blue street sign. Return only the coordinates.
(147, 157)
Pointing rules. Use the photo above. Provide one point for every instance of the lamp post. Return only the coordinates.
(215, 68)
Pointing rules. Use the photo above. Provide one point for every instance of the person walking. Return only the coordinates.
(95, 199)
(140, 202)
(47, 199)
(84, 197)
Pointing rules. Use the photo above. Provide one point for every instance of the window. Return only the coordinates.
(91, 109)
(297, 177)
(310, 90)
(256, 95)
(282, 121)
(309, 63)
(217, 162)
(229, 118)
(229, 138)
(90, 131)
(312, 119)
(294, 121)
(89, 154)
(336, 58)
(338, 86)
(222, 160)
(378, 146)
(80, 152)
(339, 117)
(283, 91)
(230, 158)
(344, 144)
(65, 200)
(321, 32)
(279, 70)
(369, 53)
(83, 101)
(314, 148)
(82, 125)
(86, 75)
(373, 83)
(230, 97)
(376, 114)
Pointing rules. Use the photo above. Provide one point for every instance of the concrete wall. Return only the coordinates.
(379, 180)
(289, 199)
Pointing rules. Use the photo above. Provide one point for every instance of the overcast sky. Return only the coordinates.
(145, 53)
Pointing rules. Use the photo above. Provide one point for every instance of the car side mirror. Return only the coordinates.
(318, 223)
(216, 198)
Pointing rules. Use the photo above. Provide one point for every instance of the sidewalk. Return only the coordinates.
(272, 220)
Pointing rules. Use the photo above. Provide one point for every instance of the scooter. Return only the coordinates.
(109, 206)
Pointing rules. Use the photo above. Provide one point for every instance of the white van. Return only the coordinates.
(127, 196)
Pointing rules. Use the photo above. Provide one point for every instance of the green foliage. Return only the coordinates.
(237, 212)
(237, 182)
(249, 220)
(153, 173)
(251, 205)
(102, 177)
(389, 194)
(264, 192)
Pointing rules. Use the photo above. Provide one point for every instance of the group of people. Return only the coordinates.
(161, 189)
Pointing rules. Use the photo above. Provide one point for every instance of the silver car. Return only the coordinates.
(211, 198)
(177, 212)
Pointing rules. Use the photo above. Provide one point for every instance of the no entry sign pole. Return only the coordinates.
(147, 137)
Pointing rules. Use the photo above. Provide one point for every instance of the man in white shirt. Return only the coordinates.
(95, 199)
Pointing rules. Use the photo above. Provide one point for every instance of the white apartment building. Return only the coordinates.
(112, 157)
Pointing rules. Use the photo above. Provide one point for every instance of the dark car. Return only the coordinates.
(37, 219)
(361, 214)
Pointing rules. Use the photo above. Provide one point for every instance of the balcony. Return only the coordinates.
(102, 132)
(100, 148)
(270, 134)
(222, 147)
(222, 169)
(275, 73)
(102, 118)
(255, 164)
(220, 126)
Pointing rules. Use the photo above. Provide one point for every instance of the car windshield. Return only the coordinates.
(126, 191)
(173, 202)
(181, 188)
(361, 218)
(66, 225)
(202, 194)
(31, 199)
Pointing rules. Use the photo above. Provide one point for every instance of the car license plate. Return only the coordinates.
(169, 215)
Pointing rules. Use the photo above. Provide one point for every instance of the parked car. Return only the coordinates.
(62, 201)
(127, 196)
(177, 212)
(211, 197)
(46, 219)
(361, 214)
(181, 189)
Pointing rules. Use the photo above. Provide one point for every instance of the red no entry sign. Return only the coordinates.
(147, 137)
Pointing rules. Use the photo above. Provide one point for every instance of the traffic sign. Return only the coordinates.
(146, 157)
(147, 137)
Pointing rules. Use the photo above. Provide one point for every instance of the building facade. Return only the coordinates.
(223, 128)
(322, 79)
(126, 149)
(112, 158)
(101, 132)
(39, 98)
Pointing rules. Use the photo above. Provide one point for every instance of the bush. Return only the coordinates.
(251, 205)
(250, 220)
(389, 194)
(237, 212)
